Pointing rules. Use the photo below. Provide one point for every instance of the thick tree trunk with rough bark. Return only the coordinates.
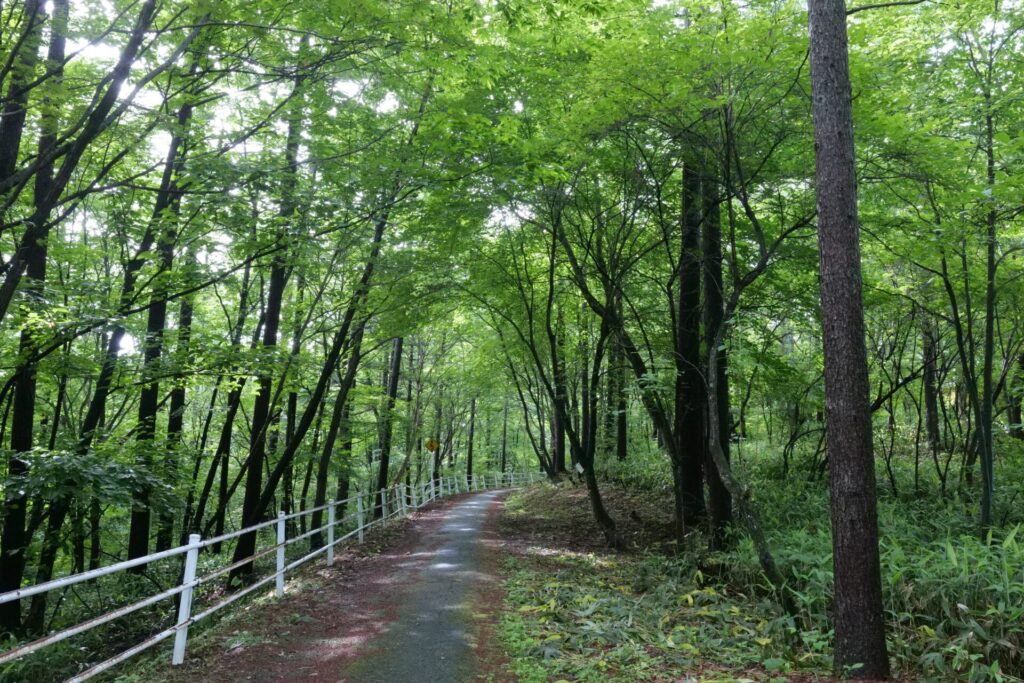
(857, 603)
(688, 429)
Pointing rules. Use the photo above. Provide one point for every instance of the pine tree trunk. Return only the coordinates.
(857, 603)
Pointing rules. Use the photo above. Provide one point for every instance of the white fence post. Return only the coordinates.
(432, 493)
(412, 489)
(383, 505)
(279, 590)
(359, 515)
(330, 533)
(185, 605)
(403, 493)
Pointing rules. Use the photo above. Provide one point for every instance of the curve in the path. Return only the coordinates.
(432, 638)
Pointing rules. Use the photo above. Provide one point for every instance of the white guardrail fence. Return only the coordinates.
(397, 502)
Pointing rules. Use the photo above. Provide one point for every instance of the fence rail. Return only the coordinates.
(397, 501)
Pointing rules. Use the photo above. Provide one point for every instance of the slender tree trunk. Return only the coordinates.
(344, 460)
(13, 538)
(165, 217)
(390, 394)
(618, 369)
(720, 501)
(292, 410)
(931, 392)
(338, 423)
(989, 342)
(261, 418)
(1013, 400)
(95, 542)
(504, 440)
(176, 424)
(857, 603)
(469, 446)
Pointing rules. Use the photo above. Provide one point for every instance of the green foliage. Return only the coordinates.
(954, 602)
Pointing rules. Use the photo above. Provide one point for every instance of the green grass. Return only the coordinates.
(954, 603)
(639, 616)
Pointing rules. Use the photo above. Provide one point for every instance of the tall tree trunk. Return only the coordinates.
(344, 460)
(469, 445)
(931, 392)
(261, 418)
(292, 410)
(14, 538)
(504, 439)
(618, 368)
(720, 501)
(857, 603)
(338, 423)
(1014, 399)
(390, 394)
(165, 219)
(989, 342)
(176, 424)
(688, 472)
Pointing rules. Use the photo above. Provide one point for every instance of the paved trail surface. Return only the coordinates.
(433, 637)
(421, 610)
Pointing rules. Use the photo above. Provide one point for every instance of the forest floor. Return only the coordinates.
(505, 587)
(577, 611)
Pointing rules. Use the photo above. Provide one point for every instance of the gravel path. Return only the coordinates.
(432, 638)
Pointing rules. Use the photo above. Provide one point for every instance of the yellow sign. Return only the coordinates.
(431, 445)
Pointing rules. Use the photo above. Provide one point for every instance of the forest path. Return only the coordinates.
(421, 609)
(434, 636)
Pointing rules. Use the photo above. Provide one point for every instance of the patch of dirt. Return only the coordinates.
(564, 519)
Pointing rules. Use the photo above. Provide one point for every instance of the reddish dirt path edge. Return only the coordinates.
(329, 616)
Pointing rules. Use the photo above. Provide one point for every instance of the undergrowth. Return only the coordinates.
(954, 602)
